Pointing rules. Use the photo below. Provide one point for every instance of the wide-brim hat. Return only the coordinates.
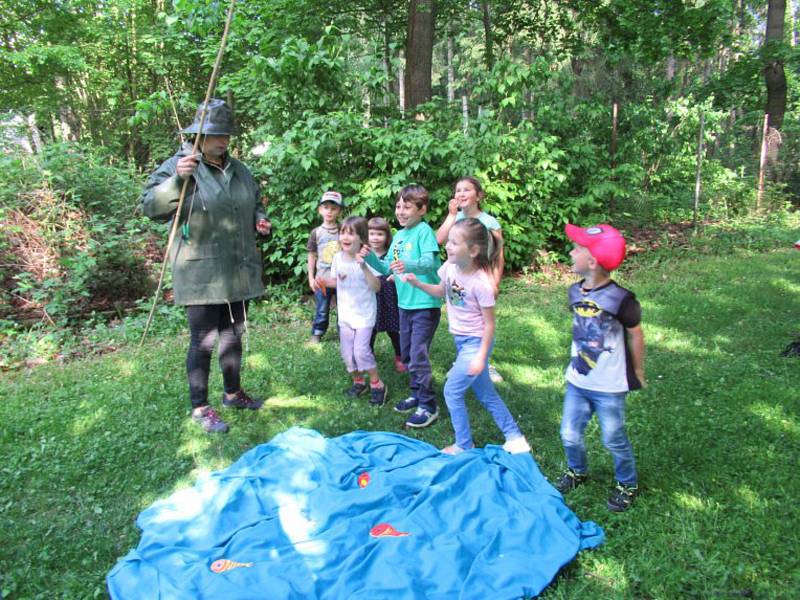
(604, 243)
(218, 121)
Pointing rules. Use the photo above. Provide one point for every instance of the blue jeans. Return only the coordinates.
(416, 334)
(323, 310)
(579, 404)
(456, 387)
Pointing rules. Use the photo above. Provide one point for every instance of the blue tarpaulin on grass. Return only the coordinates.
(367, 515)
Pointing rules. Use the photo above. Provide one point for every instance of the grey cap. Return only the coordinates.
(333, 197)
(219, 119)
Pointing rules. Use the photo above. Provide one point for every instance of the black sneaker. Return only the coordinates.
(570, 480)
(355, 390)
(378, 395)
(241, 400)
(422, 417)
(621, 497)
(406, 405)
(209, 420)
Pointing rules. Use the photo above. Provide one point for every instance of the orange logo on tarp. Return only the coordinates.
(223, 564)
(386, 530)
(363, 480)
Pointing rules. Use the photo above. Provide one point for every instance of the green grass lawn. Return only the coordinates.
(88, 445)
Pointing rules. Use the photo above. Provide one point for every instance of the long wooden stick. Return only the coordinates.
(174, 108)
(211, 85)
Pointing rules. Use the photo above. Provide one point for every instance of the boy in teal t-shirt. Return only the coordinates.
(414, 250)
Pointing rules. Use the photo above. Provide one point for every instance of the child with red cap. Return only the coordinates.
(607, 360)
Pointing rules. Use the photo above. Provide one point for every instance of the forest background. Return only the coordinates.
(647, 113)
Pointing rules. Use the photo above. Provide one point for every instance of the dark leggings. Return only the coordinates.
(393, 335)
(207, 322)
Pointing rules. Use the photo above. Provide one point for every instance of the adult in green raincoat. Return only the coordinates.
(216, 263)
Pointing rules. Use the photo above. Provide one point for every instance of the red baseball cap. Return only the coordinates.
(603, 242)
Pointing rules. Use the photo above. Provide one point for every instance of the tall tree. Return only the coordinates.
(419, 51)
(487, 32)
(774, 74)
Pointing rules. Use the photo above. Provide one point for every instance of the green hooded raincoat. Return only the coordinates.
(220, 261)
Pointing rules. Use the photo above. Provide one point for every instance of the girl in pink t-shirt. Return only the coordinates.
(466, 284)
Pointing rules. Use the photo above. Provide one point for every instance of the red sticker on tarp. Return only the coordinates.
(386, 530)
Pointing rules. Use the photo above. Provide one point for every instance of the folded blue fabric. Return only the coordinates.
(368, 515)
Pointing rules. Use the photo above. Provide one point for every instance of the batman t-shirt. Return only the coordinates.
(600, 358)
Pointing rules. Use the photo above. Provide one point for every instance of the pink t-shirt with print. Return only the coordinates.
(466, 295)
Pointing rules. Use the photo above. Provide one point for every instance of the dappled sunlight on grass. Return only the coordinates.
(88, 445)
(540, 326)
(127, 367)
(775, 416)
(610, 572)
(314, 348)
(674, 340)
(786, 284)
(287, 400)
(89, 417)
(690, 501)
(258, 360)
(521, 375)
(751, 499)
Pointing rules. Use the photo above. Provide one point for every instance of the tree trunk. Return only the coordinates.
(67, 126)
(527, 112)
(387, 63)
(33, 134)
(451, 71)
(698, 167)
(419, 51)
(613, 151)
(700, 148)
(762, 163)
(488, 54)
(401, 87)
(774, 75)
(671, 63)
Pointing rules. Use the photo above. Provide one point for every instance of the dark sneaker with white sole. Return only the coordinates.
(406, 404)
(355, 390)
(209, 420)
(378, 395)
(241, 400)
(621, 497)
(422, 417)
(570, 480)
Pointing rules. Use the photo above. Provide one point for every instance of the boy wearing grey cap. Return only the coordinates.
(323, 244)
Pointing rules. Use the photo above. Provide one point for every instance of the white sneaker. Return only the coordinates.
(454, 450)
(518, 445)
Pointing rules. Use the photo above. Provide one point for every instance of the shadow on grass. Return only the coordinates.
(88, 446)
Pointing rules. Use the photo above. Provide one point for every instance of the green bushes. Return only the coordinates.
(73, 244)
(525, 171)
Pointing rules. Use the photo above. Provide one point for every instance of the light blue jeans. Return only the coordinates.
(455, 389)
(579, 404)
